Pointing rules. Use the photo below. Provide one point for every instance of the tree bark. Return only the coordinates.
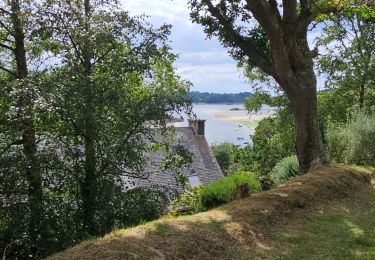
(361, 95)
(32, 169)
(309, 146)
(89, 185)
(302, 94)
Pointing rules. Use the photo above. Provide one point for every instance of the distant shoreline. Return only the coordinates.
(218, 98)
(225, 103)
(239, 116)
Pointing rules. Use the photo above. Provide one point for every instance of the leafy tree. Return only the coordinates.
(348, 63)
(116, 82)
(273, 39)
(111, 90)
(18, 120)
(225, 154)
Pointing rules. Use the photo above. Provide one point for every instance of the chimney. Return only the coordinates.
(198, 126)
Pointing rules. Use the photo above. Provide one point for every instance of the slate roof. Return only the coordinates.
(204, 167)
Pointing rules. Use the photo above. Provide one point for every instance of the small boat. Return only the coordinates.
(240, 138)
(246, 143)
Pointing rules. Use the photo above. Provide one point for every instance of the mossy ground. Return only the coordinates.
(326, 214)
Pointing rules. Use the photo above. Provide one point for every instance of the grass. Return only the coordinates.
(326, 214)
(344, 230)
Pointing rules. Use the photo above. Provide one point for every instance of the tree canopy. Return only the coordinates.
(85, 88)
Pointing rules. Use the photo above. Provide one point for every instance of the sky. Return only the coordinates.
(204, 62)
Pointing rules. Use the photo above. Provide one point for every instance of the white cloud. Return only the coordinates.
(204, 57)
(203, 62)
(221, 78)
(203, 54)
(168, 9)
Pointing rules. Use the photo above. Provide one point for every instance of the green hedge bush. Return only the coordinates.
(228, 189)
(285, 169)
(353, 143)
(187, 203)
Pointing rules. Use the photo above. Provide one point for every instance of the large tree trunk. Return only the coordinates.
(32, 168)
(309, 144)
(89, 186)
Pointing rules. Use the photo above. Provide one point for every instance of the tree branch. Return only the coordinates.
(17, 142)
(7, 47)
(76, 48)
(289, 12)
(9, 71)
(267, 16)
(275, 9)
(103, 56)
(124, 141)
(247, 46)
(304, 18)
(6, 40)
(5, 11)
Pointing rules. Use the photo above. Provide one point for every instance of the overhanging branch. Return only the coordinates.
(6, 47)
(9, 71)
(245, 45)
(5, 11)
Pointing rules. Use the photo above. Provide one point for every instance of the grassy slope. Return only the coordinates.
(326, 214)
(343, 229)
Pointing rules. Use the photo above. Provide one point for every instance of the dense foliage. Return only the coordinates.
(187, 203)
(237, 185)
(353, 142)
(84, 92)
(217, 98)
(347, 61)
(285, 169)
(225, 154)
(273, 140)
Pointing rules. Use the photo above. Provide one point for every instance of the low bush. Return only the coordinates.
(227, 189)
(187, 203)
(285, 169)
(353, 143)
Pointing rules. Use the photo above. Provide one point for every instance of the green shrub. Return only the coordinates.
(285, 169)
(224, 154)
(187, 203)
(227, 189)
(353, 143)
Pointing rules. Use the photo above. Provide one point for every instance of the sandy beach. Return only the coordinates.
(239, 115)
